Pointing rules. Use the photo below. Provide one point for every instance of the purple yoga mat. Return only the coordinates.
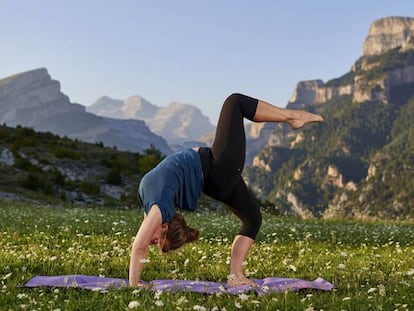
(264, 286)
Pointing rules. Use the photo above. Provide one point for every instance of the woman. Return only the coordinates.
(179, 179)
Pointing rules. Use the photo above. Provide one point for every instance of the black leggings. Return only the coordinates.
(223, 163)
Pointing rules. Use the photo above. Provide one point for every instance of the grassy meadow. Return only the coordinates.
(372, 263)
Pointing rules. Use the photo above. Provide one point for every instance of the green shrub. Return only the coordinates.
(58, 177)
(32, 182)
(114, 177)
(90, 188)
(62, 152)
(22, 163)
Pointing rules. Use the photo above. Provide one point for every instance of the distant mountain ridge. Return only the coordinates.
(33, 99)
(177, 123)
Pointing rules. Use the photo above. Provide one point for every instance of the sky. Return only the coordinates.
(188, 51)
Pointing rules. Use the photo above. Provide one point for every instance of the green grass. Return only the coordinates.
(373, 262)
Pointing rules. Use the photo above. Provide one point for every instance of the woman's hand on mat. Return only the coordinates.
(239, 280)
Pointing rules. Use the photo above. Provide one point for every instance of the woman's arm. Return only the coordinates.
(149, 226)
(239, 251)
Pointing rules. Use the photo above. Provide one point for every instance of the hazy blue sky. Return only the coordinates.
(189, 51)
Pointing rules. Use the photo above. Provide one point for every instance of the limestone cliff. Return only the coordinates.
(388, 33)
(305, 93)
(384, 35)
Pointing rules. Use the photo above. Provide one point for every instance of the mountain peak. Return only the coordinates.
(34, 100)
(388, 33)
(176, 122)
(39, 75)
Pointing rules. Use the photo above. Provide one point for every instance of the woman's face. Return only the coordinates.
(159, 236)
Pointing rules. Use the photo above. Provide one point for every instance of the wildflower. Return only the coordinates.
(292, 267)
(143, 260)
(159, 303)
(381, 290)
(133, 304)
(409, 272)
(371, 290)
(222, 288)
(237, 305)
(7, 276)
(346, 298)
(21, 296)
(243, 297)
(199, 308)
(181, 300)
(341, 266)
(157, 295)
(186, 262)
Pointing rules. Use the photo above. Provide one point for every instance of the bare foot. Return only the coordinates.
(234, 280)
(302, 118)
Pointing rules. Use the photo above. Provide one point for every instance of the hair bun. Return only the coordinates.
(192, 235)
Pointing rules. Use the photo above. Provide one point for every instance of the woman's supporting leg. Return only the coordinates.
(243, 204)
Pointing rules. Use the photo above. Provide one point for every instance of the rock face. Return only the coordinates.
(384, 34)
(177, 123)
(33, 99)
(6, 157)
(305, 93)
(388, 33)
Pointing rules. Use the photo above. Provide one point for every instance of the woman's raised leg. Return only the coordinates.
(266, 112)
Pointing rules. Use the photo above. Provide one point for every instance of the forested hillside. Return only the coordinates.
(359, 162)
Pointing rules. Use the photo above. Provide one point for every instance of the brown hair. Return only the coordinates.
(178, 234)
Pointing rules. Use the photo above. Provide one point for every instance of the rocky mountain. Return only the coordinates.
(178, 123)
(33, 99)
(384, 35)
(388, 33)
(359, 162)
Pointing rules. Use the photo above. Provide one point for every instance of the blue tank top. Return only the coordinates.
(175, 182)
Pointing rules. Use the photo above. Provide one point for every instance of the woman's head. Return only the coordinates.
(178, 234)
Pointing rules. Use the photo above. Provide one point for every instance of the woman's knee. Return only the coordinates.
(234, 99)
(244, 104)
(251, 226)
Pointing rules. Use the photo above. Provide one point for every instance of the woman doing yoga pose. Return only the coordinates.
(180, 178)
